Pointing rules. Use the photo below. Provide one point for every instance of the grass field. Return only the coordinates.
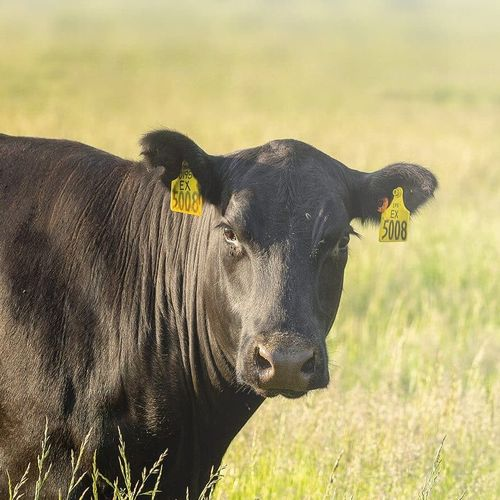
(415, 351)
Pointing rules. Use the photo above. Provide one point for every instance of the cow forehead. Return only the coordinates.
(286, 171)
(288, 195)
(293, 196)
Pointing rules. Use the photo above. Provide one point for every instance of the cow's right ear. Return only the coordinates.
(170, 149)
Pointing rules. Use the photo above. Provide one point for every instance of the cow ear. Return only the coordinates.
(372, 191)
(171, 150)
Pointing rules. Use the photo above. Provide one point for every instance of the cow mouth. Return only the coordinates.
(293, 394)
(272, 393)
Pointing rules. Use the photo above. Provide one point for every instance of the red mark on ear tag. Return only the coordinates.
(383, 204)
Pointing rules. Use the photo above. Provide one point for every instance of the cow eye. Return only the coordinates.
(230, 236)
(343, 242)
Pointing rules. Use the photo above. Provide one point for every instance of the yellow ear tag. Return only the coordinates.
(185, 196)
(395, 219)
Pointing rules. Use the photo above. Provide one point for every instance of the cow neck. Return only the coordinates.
(139, 309)
(163, 307)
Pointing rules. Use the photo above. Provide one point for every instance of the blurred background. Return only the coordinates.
(415, 350)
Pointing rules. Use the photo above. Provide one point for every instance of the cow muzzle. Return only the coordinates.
(288, 370)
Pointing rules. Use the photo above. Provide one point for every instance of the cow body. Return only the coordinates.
(117, 312)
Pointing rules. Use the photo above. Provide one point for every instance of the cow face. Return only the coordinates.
(278, 249)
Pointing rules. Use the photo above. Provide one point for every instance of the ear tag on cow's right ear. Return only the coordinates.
(185, 196)
(394, 219)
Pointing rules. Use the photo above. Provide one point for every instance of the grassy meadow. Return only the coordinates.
(415, 350)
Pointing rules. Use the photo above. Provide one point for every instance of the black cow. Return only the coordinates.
(117, 312)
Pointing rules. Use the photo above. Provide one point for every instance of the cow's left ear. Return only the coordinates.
(170, 149)
(371, 191)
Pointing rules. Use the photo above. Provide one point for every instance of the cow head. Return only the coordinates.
(278, 246)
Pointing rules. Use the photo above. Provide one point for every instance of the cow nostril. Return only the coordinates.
(261, 361)
(309, 366)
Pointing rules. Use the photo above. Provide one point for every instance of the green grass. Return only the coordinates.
(415, 351)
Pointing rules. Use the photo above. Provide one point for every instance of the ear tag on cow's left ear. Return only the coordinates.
(394, 219)
(185, 196)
